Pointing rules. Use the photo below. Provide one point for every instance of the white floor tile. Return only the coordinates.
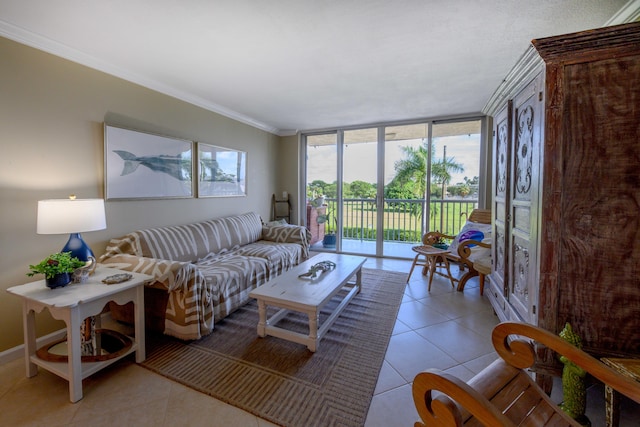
(442, 329)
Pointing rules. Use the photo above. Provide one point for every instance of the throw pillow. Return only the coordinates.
(471, 231)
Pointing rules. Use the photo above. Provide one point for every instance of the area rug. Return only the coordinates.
(284, 382)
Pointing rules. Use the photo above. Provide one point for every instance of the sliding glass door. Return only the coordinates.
(455, 174)
(406, 179)
(322, 189)
(383, 187)
(359, 190)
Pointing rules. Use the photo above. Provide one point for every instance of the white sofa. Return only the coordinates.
(204, 271)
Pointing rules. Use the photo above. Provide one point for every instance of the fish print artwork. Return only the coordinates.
(176, 166)
(145, 165)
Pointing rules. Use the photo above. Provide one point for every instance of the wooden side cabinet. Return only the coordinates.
(566, 188)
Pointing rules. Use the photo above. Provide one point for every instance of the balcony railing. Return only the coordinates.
(403, 218)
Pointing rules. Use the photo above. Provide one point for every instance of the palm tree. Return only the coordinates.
(441, 170)
(413, 168)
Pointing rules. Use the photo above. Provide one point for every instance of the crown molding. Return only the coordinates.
(628, 13)
(525, 69)
(529, 63)
(45, 44)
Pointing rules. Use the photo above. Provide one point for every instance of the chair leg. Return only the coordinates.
(432, 263)
(463, 280)
(481, 280)
(425, 266)
(447, 265)
(415, 261)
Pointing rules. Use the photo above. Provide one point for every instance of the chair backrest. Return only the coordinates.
(482, 216)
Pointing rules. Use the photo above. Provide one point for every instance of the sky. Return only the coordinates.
(360, 159)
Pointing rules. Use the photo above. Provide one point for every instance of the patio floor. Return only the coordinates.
(368, 248)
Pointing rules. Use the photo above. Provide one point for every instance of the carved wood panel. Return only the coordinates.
(527, 117)
(524, 152)
(502, 161)
(500, 248)
(520, 283)
(501, 190)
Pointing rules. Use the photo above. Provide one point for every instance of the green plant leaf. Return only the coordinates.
(59, 262)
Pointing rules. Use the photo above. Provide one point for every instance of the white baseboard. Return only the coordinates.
(18, 351)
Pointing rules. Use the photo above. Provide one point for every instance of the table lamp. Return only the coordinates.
(73, 216)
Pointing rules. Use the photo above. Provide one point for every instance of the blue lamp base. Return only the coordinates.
(78, 247)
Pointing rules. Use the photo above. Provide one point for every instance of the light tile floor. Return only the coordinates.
(443, 328)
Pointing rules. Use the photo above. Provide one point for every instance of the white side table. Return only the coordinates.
(72, 304)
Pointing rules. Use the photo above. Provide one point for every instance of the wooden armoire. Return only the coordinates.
(566, 188)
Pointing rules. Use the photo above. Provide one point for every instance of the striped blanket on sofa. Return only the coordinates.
(208, 268)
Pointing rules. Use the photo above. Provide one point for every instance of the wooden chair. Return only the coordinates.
(482, 216)
(504, 394)
(481, 266)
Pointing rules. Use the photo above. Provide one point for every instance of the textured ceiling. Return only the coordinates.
(288, 65)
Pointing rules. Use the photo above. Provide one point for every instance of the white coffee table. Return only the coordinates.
(291, 293)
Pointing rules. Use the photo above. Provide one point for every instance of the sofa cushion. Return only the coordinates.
(231, 277)
(280, 256)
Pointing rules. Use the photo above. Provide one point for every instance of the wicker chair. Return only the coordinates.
(482, 216)
(504, 394)
(481, 265)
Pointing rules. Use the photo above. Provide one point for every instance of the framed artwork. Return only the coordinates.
(141, 165)
(222, 171)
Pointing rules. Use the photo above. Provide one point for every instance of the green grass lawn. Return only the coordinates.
(360, 219)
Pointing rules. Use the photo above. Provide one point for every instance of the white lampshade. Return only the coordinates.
(62, 216)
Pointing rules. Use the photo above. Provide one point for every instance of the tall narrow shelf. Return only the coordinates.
(280, 209)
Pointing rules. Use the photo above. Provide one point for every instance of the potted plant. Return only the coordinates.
(329, 240)
(56, 268)
(317, 202)
(440, 243)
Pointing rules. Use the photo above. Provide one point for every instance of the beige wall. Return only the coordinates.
(288, 176)
(51, 133)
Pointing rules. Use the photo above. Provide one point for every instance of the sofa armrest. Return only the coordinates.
(189, 311)
(169, 274)
(289, 234)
